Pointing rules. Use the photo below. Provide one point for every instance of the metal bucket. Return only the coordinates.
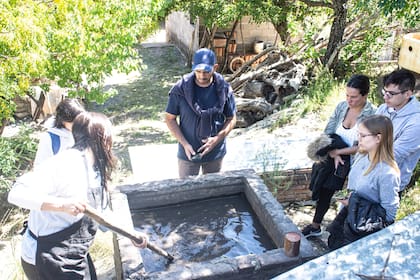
(258, 46)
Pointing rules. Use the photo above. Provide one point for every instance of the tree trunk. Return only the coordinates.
(281, 25)
(336, 34)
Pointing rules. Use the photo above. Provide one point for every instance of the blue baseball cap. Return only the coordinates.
(204, 59)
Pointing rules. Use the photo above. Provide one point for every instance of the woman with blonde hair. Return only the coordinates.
(374, 183)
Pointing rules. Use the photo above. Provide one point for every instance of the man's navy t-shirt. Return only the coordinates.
(188, 122)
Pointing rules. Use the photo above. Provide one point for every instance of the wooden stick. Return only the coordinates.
(131, 234)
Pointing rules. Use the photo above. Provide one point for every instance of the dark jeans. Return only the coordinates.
(337, 237)
(189, 168)
(323, 204)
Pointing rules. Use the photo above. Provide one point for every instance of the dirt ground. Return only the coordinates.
(138, 125)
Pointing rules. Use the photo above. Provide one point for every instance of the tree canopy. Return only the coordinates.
(74, 43)
(77, 43)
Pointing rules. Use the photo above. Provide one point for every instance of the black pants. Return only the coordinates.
(337, 237)
(323, 204)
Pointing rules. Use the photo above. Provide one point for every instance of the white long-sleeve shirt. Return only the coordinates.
(45, 151)
(62, 178)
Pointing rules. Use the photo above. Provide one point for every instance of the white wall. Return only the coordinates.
(181, 32)
(248, 33)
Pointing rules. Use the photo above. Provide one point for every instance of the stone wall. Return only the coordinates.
(289, 185)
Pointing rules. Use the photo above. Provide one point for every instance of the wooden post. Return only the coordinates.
(292, 244)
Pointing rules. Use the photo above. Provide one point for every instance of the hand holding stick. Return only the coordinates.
(133, 235)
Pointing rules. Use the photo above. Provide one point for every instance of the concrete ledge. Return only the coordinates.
(368, 255)
(252, 266)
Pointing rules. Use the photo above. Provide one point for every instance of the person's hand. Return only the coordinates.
(209, 144)
(333, 153)
(73, 208)
(337, 158)
(144, 238)
(189, 151)
(344, 201)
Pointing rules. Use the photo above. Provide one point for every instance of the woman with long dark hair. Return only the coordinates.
(342, 126)
(56, 242)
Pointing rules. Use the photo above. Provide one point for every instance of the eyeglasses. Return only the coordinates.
(390, 94)
(361, 135)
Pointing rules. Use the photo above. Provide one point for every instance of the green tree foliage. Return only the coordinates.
(406, 10)
(74, 43)
(358, 27)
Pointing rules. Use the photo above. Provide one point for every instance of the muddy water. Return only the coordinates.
(202, 230)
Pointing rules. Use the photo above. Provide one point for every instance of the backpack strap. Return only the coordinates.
(55, 142)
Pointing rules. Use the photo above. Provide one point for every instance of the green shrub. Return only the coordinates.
(321, 89)
(16, 156)
(409, 203)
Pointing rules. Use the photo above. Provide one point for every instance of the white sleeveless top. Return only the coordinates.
(349, 135)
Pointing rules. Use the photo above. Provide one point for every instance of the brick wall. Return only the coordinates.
(289, 185)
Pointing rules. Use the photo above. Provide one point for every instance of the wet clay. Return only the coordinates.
(202, 230)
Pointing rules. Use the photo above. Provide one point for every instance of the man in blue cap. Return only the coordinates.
(205, 105)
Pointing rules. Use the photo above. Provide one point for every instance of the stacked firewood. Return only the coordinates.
(260, 90)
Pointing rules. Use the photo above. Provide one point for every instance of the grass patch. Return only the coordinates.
(322, 90)
(145, 97)
(411, 195)
(409, 202)
(138, 107)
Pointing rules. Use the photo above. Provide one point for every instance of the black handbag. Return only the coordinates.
(364, 217)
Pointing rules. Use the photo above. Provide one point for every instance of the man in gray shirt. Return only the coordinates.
(403, 108)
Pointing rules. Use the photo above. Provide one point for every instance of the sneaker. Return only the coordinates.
(309, 231)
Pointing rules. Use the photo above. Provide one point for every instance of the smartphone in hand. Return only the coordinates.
(342, 170)
(197, 157)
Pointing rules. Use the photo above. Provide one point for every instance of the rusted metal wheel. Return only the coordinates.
(236, 63)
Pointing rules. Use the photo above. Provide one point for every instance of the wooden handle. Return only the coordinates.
(131, 234)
